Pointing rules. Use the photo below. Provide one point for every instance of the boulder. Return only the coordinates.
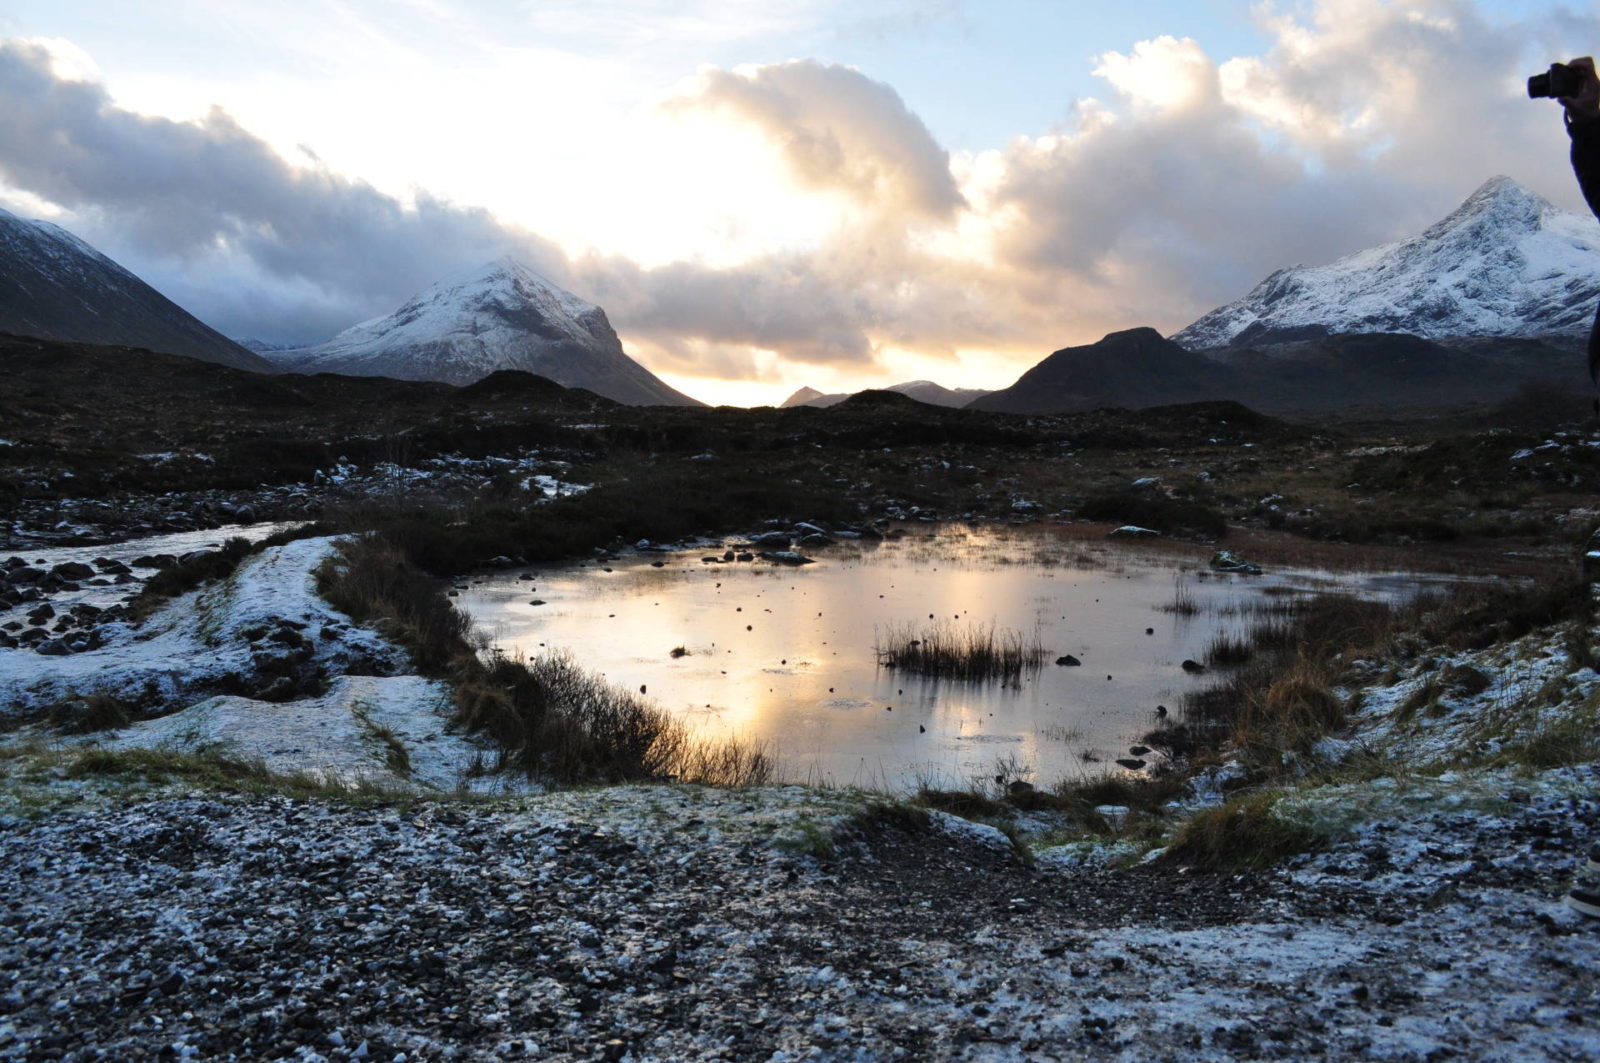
(1227, 561)
(1193, 667)
(1132, 531)
(1068, 661)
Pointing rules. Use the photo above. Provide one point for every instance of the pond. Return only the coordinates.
(787, 656)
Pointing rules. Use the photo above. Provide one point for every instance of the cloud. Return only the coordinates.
(838, 130)
(193, 200)
(1186, 181)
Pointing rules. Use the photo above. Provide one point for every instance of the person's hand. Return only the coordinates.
(1585, 106)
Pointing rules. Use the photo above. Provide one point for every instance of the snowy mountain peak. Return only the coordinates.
(499, 315)
(1500, 202)
(1506, 262)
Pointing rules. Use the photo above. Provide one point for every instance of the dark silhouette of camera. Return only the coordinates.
(1561, 80)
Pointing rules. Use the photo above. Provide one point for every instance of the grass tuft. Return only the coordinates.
(974, 652)
(1245, 834)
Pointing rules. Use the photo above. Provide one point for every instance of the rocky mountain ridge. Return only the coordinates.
(921, 390)
(57, 287)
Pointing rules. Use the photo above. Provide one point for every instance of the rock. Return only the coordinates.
(747, 556)
(1112, 814)
(72, 570)
(1226, 561)
(1192, 666)
(42, 613)
(1068, 661)
(728, 555)
(537, 601)
(1130, 763)
(54, 648)
(1132, 531)
(817, 540)
(1019, 787)
(155, 561)
(785, 557)
(771, 538)
(1138, 751)
(1147, 481)
(807, 528)
(26, 574)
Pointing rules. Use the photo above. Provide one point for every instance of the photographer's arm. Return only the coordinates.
(1583, 125)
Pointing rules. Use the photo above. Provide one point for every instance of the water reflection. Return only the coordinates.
(786, 655)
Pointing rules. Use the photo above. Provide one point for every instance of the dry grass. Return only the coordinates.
(548, 716)
(1183, 601)
(1247, 833)
(973, 652)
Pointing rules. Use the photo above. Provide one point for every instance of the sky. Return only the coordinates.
(832, 193)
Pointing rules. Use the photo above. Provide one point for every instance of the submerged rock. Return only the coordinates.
(785, 557)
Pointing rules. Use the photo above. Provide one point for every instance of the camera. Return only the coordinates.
(1561, 80)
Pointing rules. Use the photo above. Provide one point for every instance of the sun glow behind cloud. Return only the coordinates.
(752, 226)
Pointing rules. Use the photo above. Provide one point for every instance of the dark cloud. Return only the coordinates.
(192, 202)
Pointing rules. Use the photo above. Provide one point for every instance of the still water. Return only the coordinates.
(786, 656)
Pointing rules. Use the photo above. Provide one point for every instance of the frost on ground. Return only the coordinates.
(263, 629)
(145, 919)
(678, 923)
(266, 611)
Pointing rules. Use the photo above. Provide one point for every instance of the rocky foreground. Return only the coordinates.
(662, 923)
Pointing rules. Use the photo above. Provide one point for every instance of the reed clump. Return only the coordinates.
(969, 652)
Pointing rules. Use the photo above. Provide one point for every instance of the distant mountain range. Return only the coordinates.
(56, 287)
(1505, 263)
(1496, 294)
(501, 315)
(920, 390)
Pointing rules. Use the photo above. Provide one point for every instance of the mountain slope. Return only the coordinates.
(55, 286)
(502, 315)
(1505, 263)
(920, 390)
(1135, 368)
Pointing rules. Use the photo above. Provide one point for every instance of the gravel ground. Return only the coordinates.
(684, 924)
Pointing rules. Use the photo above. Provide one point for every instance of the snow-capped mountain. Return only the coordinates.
(501, 315)
(56, 287)
(1506, 262)
(921, 390)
